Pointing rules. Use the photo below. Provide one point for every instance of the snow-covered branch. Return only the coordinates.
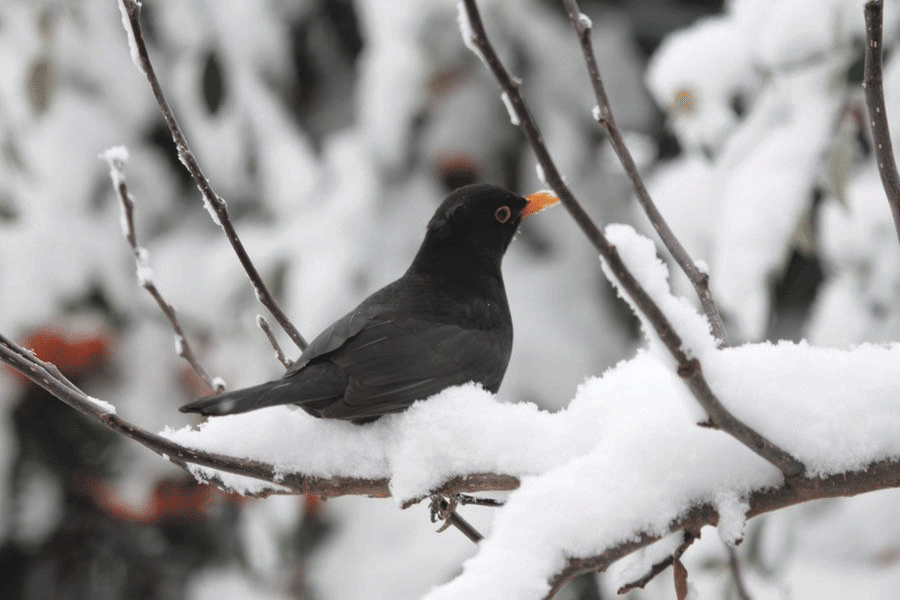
(116, 157)
(269, 478)
(875, 476)
(604, 116)
(873, 83)
(688, 367)
(215, 205)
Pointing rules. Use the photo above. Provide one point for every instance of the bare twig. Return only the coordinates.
(279, 353)
(874, 88)
(688, 368)
(444, 509)
(661, 566)
(296, 483)
(131, 10)
(182, 346)
(604, 116)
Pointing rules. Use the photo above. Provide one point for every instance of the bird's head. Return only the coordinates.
(477, 223)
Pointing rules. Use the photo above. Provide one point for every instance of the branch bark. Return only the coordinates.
(876, 476)
(688, 368)
(185, 351)
(873, 84)
(604, 116)
(46, 376)
(131, 10)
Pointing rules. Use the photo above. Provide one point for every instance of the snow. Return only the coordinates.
(116, 157)
(539, 171)
(584, 20)
(635, 425)
(465, 28)
(103, 405)
(142, 266)
(513, 117)
(132, 43)
(632, 426)
(331, 205)
(639, 255)
(732, 517)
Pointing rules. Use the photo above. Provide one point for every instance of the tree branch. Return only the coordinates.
(279, 353)
(878, 475)
(874, 89)
(604, 116)
(116, 157)
(216, 206)
(688, 368)
(43, 374)
(657, 568)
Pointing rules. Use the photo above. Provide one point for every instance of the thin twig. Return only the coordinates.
(688, 368)
(444, 509)
(182, 346)
(657, 568)
(874, 88)
(279, 353)
(215, 204)
(604, 116)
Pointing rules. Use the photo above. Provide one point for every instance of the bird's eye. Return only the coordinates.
(502, 214)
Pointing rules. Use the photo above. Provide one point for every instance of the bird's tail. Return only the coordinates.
(271, 393)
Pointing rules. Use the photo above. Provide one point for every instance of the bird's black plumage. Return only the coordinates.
(444, 322)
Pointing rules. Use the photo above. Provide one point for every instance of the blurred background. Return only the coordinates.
(333, 128)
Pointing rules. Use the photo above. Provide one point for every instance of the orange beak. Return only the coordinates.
(537, 202)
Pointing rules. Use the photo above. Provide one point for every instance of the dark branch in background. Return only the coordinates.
(877, 476)
(279, 353)
(604, 116)
(46, 376)
(734, 565)
(874, 88)
(212, 200)
(689, 369)
(116, 166)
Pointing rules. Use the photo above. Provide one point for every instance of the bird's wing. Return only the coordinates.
(392, 363)
(333, 337)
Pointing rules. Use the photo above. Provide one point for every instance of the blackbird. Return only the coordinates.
(444, 322)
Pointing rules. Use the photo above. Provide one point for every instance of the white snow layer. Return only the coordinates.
(627, 445)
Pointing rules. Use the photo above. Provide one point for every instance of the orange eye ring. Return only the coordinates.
(502, 214)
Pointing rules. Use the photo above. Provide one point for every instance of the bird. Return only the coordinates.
(444, 322)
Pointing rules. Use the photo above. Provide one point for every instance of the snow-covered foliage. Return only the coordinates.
(332, 129)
